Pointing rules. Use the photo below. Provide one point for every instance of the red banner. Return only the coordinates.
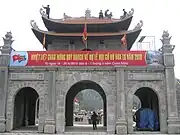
(80, 58)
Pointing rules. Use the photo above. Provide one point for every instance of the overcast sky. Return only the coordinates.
(157, 15)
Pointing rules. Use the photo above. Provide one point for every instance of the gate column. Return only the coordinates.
(121, 124)
(50, 120)
(168, 57)
(4, 63)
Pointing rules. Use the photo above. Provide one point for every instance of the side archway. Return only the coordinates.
(25, 108)
(14, 88)
(156, 91)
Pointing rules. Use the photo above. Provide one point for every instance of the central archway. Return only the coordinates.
(74, 90)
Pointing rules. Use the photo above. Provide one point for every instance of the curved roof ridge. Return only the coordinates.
(90, 20)
(88, 34)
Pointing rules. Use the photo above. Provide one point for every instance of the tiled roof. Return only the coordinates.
(92, 20)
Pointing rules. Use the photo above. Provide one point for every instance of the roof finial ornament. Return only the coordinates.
(131, 12)
(124, 14)
(65, 16)
(139, 25)
(127, 14)
(166, 46)
(88, 13)
(43, 13)
(8, 36)
(165, 38)
(8, 39)
(34, 24)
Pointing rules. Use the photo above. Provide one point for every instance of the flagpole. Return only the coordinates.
(44, 41)
(86, 45)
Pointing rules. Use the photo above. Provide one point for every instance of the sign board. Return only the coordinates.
(78, 58)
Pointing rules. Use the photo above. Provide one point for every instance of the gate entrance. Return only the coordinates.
(26, 107)
(73, 91)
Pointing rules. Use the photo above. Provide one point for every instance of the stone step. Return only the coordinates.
(66, 133)
(85, 133)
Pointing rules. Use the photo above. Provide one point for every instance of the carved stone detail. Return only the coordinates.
(8, 36)
(165, 38)
(139, 25)
(26, 76)
(88, 13)
(145, 76)
(66, 16)
(131, 12)
(42, 12)
(34, 25)
(6, 48)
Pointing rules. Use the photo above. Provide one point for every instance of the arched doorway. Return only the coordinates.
(74, 90)
(147, 117)
(25, 107)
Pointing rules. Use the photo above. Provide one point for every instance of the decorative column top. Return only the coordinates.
(88, 13)
(166, 38)
(166, 46)
(6, 48)
(8, 39)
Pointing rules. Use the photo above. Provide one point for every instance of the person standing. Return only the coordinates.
(47, 10)
(94, 120)
(101, 16)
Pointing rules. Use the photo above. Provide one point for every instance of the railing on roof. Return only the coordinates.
(146, 43)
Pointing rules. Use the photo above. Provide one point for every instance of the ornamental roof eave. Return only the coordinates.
(75, 24)
(136, 28)
(91, 20)
(131, 34)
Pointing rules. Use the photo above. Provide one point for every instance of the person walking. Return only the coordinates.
(94, 120)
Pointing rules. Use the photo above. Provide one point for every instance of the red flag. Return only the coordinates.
(76, 100)
(84, 34)
(124, 40)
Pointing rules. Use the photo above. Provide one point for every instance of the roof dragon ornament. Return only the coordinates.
(127, 14)
(139, 25)
(34, 24)
(131, 12)
(42, 12)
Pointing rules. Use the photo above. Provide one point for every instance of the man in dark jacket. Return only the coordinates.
(94, 120)
(47, 10)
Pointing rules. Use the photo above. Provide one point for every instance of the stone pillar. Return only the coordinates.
(26, 110)
(50, 120)
(3, 93)
(167, 49)
(4, 63)
(121, 124)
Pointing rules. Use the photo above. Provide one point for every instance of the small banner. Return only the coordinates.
(78, 58)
